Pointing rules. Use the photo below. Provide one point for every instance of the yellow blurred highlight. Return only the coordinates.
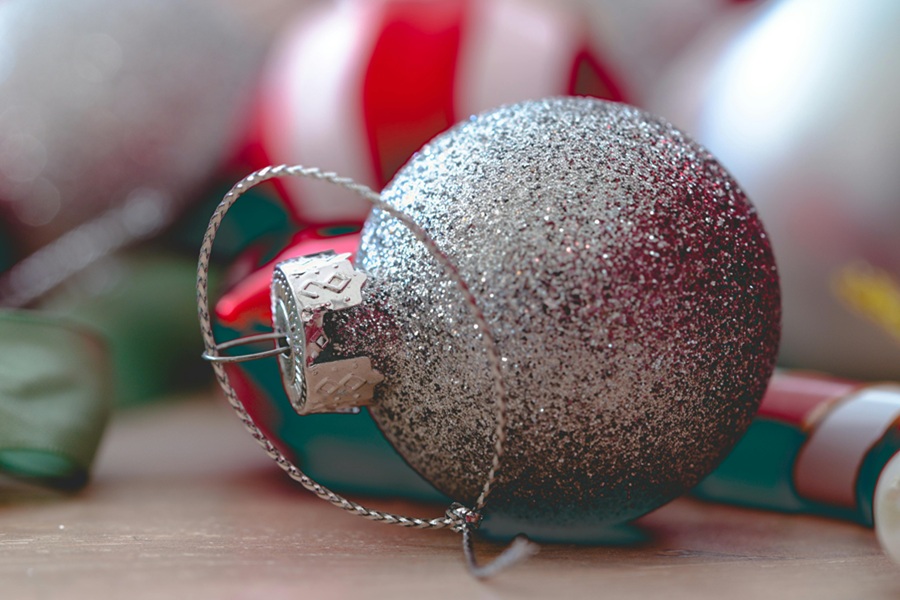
(870, 292)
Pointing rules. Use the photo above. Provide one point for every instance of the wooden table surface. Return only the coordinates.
(185, 505)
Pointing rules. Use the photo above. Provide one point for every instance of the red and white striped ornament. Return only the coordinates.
(358, 87)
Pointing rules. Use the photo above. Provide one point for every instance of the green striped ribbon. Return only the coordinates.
(55, 398)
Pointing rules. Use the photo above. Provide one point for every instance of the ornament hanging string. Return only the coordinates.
(458, 517)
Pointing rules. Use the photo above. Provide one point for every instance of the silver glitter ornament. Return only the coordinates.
(630, 289)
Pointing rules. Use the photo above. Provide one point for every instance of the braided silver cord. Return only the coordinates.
(457, 518)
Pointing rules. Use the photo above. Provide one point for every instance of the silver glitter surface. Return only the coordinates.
(629, 286)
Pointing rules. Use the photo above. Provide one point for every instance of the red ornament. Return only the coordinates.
(358, 87)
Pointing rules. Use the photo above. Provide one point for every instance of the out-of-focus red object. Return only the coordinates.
(358, 87)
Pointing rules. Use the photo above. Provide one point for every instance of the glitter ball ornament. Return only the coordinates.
(627, 282)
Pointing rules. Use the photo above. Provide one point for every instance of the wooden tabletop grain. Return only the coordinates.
(184, 505)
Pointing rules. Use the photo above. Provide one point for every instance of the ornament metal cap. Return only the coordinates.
(304, 289)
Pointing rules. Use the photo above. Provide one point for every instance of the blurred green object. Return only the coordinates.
(262, 222)
(144, 304)
(759, 471)
(55, 398)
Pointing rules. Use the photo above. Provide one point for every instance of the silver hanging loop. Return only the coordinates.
(281, 348)
(457, 518)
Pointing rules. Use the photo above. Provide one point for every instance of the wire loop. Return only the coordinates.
(457, 518)
(250, 339)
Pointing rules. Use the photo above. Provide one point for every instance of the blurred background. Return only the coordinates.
(122, 124)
